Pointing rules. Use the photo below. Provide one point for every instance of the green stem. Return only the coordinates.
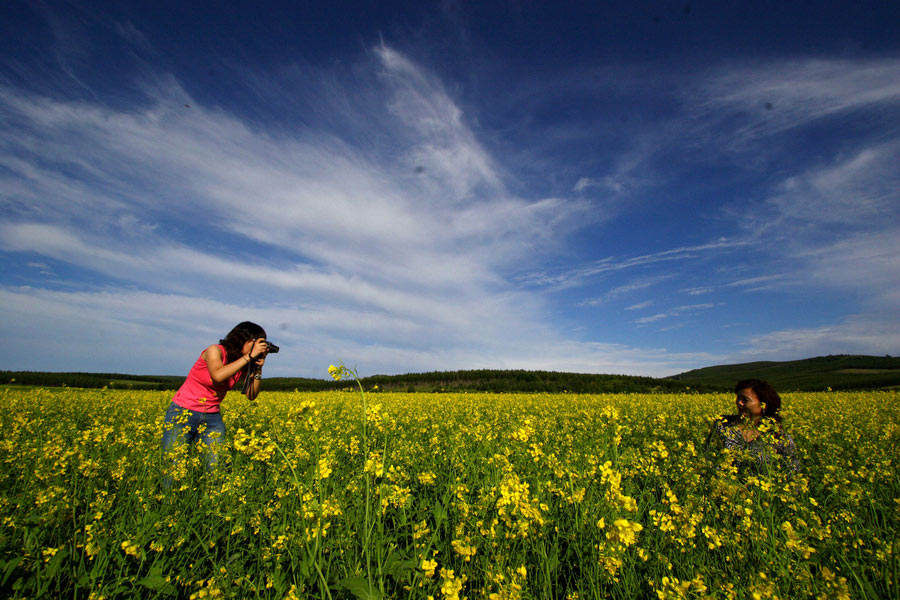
(315, 552)
(366, 543)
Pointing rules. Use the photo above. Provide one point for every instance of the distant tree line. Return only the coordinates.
(494, 380)
(91, 380)
(484, 380)
(837, 372)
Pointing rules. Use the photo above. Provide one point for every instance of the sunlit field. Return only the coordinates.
(444, 496)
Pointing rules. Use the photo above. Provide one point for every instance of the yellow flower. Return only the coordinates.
(464, 549)
(49, 553)
(428, 566)
(451, 586)
(624, 531)
(131, 549)
(324, 470)
(338, 372)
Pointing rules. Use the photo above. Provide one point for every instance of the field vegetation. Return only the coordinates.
(444, 496)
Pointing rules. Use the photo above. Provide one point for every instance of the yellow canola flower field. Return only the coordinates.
(443, 496)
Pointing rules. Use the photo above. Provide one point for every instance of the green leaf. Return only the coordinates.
(361, 588)
(158, 583)
(440, 513)
(53, 565)
(395, 565)
(8, 568)
(306, 566)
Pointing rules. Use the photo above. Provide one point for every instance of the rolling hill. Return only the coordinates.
(838, 372)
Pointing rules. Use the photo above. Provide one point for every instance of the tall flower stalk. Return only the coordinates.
(343, 372)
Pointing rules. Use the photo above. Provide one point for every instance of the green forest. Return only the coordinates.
(840, 372)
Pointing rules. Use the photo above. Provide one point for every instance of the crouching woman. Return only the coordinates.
(755, 434)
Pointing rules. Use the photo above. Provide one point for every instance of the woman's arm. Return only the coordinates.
(260, 351)
(253, 392)
(256, 368)
(218, 371)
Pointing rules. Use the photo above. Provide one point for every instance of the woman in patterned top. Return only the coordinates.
(755, 433)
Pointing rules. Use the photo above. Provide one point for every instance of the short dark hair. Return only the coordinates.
(240, 335)
(768, 397)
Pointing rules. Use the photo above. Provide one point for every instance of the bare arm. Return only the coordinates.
(253, 392)
(256, 368)
(219, 371)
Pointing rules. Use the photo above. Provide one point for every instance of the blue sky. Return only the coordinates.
(436, 186)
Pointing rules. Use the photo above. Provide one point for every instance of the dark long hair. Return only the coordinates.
(237, 337)
(768, 397)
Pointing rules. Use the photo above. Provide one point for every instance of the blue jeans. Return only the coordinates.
(185, 425)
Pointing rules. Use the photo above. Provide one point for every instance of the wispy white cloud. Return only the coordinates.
(753, 113)
(865, 263)
(675, 312)
(835, 228)
(757, 282)
(697, 291)
(582, 273)
(607, 183)
(871, 333)
(859, 191)
(83, 329)
(813, 222)
(313, 193)
(652, 318)
(642, 283)
(446, 147)
(354, 256)
(776, 96)
(640, 305)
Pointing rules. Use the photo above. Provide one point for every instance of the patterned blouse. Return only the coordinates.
(771, 446)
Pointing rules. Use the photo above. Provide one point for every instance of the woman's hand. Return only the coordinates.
(259, 351)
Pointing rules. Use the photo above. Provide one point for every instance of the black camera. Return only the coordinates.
(273, 349)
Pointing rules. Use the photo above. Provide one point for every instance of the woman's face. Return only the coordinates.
(748, 404)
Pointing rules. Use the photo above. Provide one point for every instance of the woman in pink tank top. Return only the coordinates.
(194, 411)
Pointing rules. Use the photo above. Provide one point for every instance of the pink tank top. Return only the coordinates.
(199, 393)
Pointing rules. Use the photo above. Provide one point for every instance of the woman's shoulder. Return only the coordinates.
(216, 350)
